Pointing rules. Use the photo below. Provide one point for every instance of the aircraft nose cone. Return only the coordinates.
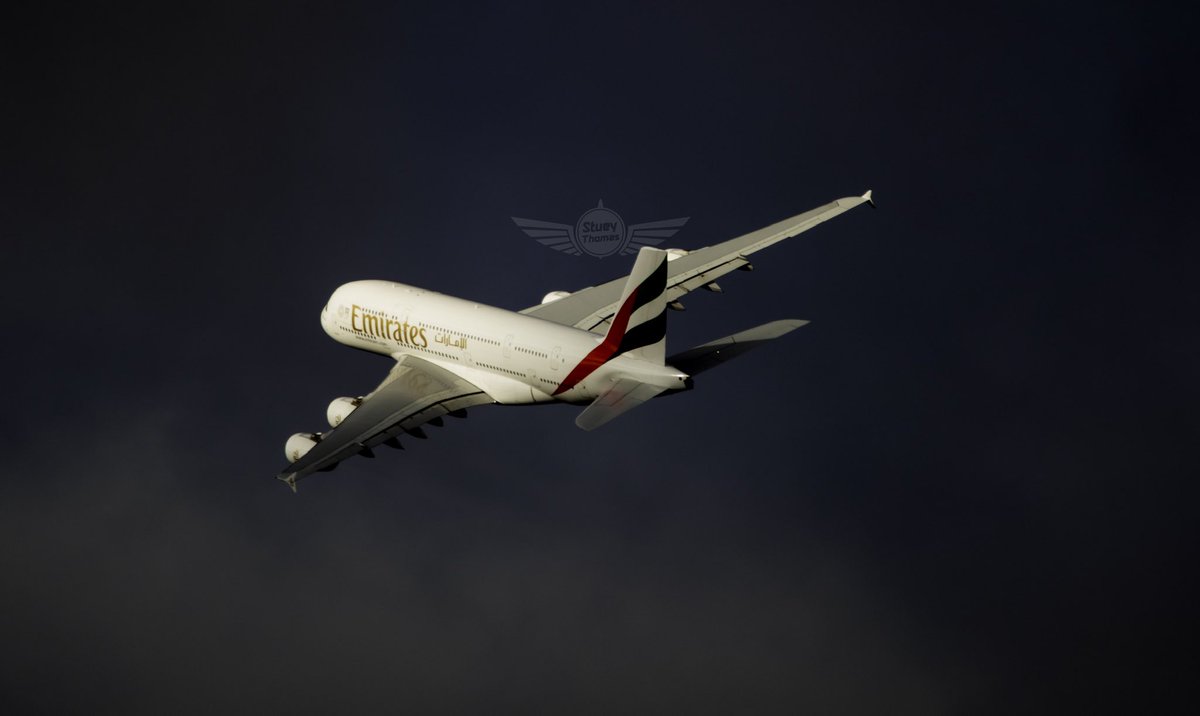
(327, 320)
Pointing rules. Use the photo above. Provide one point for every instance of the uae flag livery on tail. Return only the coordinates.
(639, 327)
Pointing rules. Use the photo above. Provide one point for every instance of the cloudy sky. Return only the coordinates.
(967, 486)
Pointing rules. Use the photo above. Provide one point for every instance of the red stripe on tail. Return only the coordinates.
(604, 352)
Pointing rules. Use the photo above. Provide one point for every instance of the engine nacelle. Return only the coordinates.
(340, 409)
(673, 254)
(299, 444)
(554, 296)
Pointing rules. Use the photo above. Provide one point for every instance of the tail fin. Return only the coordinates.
(640, 324)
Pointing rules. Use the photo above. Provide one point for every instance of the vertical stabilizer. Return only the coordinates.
(640, 324)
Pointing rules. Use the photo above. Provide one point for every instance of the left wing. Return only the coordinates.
(593, 307)
(415, 392)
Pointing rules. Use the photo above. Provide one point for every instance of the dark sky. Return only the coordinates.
(968, 486)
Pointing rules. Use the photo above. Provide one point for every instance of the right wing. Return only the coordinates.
(415, 392)
(591, 308)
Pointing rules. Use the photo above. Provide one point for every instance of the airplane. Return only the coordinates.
(602, 346)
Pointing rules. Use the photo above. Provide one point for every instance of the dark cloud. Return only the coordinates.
(963, 487)
(159, 591)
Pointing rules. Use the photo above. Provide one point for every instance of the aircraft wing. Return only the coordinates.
(593, 307)
(415, 392)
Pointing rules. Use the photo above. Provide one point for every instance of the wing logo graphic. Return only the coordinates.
(600, 232)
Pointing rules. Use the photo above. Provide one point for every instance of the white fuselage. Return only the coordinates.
(517, 359)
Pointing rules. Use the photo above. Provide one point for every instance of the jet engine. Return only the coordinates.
(340, 409)
(299, 444)
(554, 296)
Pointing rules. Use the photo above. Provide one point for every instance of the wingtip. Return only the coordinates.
(870, 201)
(289, 479)
(790, 324)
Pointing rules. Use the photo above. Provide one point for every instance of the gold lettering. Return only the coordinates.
(354, 317)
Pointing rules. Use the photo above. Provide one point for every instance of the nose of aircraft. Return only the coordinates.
(327, 318)
(336, 304)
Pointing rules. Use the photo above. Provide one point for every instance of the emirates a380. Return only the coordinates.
(603, 347)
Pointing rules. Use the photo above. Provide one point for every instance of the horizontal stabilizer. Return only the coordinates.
(625, 395)
(711, 354)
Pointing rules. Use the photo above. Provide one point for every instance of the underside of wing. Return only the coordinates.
(415, 392)
(591, 308)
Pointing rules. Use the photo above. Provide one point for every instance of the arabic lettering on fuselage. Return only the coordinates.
(451, 341)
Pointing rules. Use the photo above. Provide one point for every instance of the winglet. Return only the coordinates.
(870, 201)
(290, 479)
